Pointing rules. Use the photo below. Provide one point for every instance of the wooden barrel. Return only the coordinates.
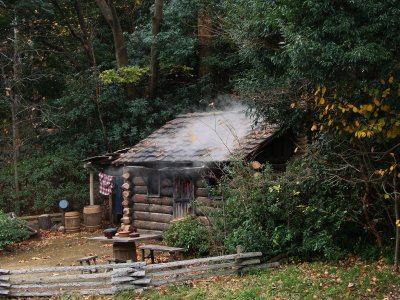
(92, 217)
(72, 221)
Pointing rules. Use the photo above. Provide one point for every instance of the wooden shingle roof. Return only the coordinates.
(200, 137)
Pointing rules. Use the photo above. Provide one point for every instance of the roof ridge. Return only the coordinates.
(205, 113)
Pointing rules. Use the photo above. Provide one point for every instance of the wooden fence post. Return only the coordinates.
(4, 283)
(238, 260)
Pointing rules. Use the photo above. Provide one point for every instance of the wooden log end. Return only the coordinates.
(255, 165)
(126, 186)
(126, 194)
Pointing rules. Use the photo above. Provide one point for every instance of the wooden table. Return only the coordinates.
(125, 248)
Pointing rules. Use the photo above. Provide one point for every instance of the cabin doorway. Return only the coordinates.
(183, 196)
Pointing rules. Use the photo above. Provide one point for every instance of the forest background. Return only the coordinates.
(80, 78)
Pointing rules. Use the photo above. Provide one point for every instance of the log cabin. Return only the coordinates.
(174, 166)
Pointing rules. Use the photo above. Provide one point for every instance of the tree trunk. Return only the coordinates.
(397, 214)
(86, 40)
(154, 60)
(109, 12)
(370, 223)
(15, 103)
(204, 24)
(88, 46)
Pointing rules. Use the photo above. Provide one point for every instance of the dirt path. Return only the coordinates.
(54, 249)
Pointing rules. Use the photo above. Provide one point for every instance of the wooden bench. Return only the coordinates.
(87, 259)
(171, 250)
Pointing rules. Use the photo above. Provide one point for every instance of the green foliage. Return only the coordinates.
(132, 74)
(190, 234)
(11, 230)
(44, 180)
(287, 49)
(299, 212)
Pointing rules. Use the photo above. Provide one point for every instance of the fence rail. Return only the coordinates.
(112, 278)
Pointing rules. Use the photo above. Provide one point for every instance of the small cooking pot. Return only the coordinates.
(109, 232)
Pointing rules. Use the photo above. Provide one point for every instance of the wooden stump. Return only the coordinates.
(44, 222)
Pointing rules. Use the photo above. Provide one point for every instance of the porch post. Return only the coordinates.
(91, 185)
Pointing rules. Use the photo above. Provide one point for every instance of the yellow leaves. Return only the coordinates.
(386, 93)
(292, 105)
(398, 223)
(314, 127)
(375, 119)
(360, 134)
(343, 109)
(386, 196)
(380, 172)
(274, 188)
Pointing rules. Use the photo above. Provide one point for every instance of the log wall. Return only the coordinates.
(156, 213)
(151, 213)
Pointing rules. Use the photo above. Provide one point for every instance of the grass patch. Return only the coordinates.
(351, 279)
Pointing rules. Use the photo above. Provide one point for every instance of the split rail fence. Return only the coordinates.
(113, 278)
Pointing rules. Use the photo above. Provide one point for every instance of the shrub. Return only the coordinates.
(11, 230)
(190, 234)
(298, 212)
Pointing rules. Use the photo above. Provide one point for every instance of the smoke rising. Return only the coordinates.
(209, 136)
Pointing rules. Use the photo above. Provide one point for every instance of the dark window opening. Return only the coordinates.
(153, 183)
